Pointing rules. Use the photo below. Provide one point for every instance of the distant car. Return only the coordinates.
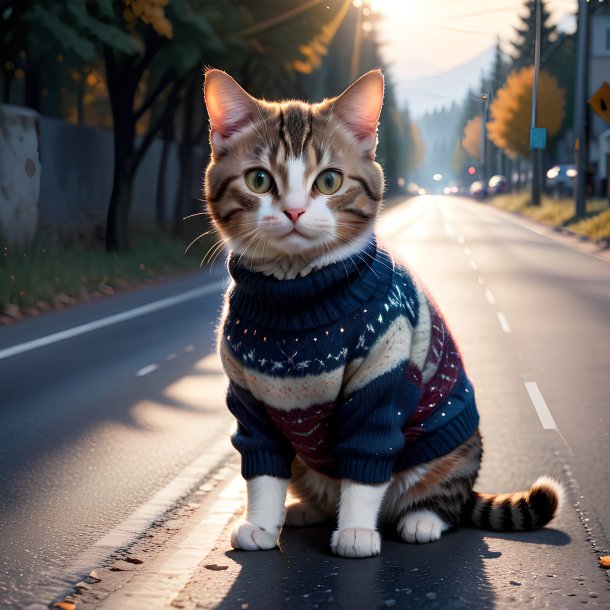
(497, 184)
(560, 179)
(478, 189)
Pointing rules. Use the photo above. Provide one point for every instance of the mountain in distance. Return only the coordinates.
(424, 86)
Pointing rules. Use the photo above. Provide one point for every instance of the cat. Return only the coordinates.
(344, 381)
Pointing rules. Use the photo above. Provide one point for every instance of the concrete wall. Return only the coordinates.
(76, 174)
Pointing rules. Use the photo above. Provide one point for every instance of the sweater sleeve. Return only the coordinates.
(370, 426)
(263, 449)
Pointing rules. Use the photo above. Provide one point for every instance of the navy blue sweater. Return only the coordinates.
(352, 368)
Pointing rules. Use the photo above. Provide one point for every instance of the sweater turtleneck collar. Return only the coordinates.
(322, 297)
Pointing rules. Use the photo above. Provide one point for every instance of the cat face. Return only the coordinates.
(291, 179)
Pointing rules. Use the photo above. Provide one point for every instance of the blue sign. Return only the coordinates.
(537, 138)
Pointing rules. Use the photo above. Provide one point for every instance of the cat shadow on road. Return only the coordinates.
(304, 574)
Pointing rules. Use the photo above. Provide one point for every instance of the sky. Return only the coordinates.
(424, 38)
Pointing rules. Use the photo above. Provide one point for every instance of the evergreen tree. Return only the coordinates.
(499, 70)
(523, 46)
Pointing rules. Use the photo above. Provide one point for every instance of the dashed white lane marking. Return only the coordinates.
(130, 314)
(543, 411)
(503, 321)
(460, 239)
(481, 280)
(147, 370)
(450, 229)
(157, 590)
(467, 251)
(161, 502)
(490, 297)
(171, 356)
(189, 348)
(474, 265)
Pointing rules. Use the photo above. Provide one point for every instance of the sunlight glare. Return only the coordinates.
(413, 11)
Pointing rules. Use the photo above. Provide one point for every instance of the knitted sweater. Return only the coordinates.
(351, 367)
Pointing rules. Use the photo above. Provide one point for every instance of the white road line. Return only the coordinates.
(481, 280)
(449, 229)
(130, 314)
(157, 590)
(544, 414)
(490, 297)
(149, 368)
(474, 265)
(126, 532)
(460, 239)
(467, 251)
(503, 321)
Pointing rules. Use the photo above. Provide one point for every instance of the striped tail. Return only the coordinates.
(518, 511)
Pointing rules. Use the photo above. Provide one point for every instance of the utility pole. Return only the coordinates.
(536, 147)
(580, 109)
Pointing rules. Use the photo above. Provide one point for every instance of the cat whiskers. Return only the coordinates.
(215, 250)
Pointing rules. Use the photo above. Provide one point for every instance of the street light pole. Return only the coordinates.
(580, 109)
(484, 98)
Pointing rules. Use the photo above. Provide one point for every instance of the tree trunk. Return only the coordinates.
(168, 136)
(121, 92)
(183, 195)
(117, 224)
(32, 86)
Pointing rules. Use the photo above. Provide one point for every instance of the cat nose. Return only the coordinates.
(295, 213)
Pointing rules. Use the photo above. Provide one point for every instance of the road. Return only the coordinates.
(102, 433)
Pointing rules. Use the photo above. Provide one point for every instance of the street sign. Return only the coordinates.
(600, 102)
(537, 138)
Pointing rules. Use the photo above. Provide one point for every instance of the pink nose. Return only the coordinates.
(295, 213)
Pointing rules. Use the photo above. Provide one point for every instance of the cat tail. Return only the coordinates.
(518, 511)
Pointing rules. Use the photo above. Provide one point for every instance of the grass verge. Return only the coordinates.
(560, 213)
(48, 275)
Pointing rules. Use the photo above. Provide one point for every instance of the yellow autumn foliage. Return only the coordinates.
(471, 138)
(314, 51)
(151, 12)
(511, 110)
(417, 151)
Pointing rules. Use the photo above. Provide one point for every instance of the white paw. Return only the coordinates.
(356, 542)
(421, 526)
(249, 537)
(301, 514)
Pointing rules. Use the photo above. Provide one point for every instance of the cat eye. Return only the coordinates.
(259, 181)
(328, 182)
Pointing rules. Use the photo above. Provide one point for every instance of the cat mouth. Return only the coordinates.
(294, 232)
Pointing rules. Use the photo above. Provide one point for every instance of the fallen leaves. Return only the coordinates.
(67, 603)
(604, 562)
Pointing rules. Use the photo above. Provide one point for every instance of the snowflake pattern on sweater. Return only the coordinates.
(351, 367)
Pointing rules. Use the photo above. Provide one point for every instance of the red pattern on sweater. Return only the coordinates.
(308, 431)
(443, 356)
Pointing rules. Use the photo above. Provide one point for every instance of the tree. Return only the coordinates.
(509, 128)
(523, 46)
(417, 150)
(41, 40)
(471, 137)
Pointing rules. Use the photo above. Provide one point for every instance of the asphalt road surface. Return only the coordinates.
(106, 427)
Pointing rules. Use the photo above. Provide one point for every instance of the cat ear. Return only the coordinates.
(230, 108)
(359, 107)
